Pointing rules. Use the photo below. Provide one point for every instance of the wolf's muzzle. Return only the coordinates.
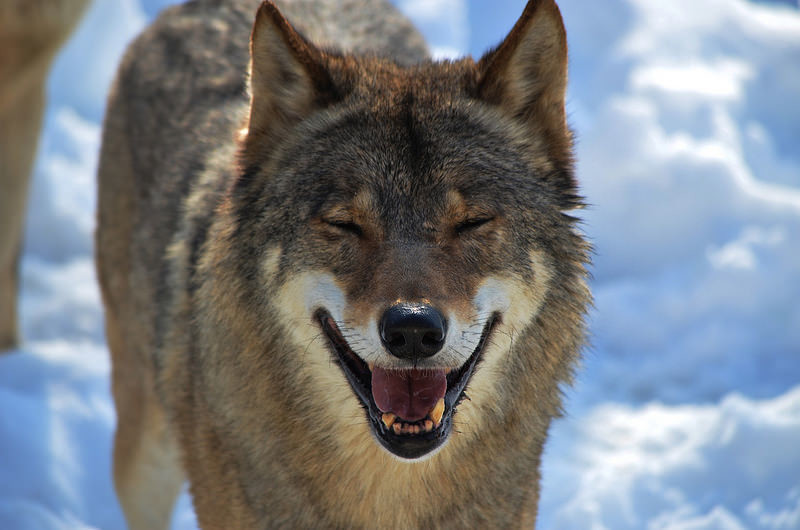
(409, 410)
(413, 331)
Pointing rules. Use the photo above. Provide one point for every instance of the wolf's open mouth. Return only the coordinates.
(408, 428)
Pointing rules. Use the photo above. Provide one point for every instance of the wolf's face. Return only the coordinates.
(408, 224)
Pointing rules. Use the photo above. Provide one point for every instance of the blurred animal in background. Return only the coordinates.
(349, 300)
(31, 33)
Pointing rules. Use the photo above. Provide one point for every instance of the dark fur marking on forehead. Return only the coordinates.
(414, 138)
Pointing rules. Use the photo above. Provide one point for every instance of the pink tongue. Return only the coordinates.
(408, 394)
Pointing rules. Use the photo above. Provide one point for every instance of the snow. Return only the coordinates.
(686, 412)
(727, 465)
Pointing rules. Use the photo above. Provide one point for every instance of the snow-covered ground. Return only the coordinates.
(686, 414)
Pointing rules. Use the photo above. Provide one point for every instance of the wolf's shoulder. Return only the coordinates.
(357, 26)
(210, 37)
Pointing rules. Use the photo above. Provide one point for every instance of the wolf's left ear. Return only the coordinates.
(288, 78)
(527, 74)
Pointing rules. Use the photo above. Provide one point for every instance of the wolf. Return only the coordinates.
(31, 32)
(343, 283)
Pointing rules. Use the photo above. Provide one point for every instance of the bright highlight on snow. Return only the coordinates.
(686, 413)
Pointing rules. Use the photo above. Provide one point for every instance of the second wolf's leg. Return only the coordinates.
(147, 469)
(20, 119)
(31, 32)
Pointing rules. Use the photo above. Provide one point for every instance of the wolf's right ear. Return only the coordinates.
(288, 79)
(526, 75)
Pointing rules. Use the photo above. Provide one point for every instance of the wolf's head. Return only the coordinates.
(401, 239)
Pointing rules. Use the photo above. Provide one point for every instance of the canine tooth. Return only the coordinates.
(371, 366)
(428, 425)
(447, 371)
(388, 419)
(437, 412)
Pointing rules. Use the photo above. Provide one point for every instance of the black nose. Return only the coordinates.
(412, 331)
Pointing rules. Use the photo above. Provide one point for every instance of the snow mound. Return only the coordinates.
(727, 466)
(55, 437)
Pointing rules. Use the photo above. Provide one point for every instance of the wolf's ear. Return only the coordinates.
(527, 74)
(288, 77)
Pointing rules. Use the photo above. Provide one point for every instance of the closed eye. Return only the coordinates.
(345, 226)
(472, 224)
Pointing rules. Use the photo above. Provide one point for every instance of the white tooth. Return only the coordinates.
(428, 425)
(397, 427)
(388, 419)
(436, 413)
